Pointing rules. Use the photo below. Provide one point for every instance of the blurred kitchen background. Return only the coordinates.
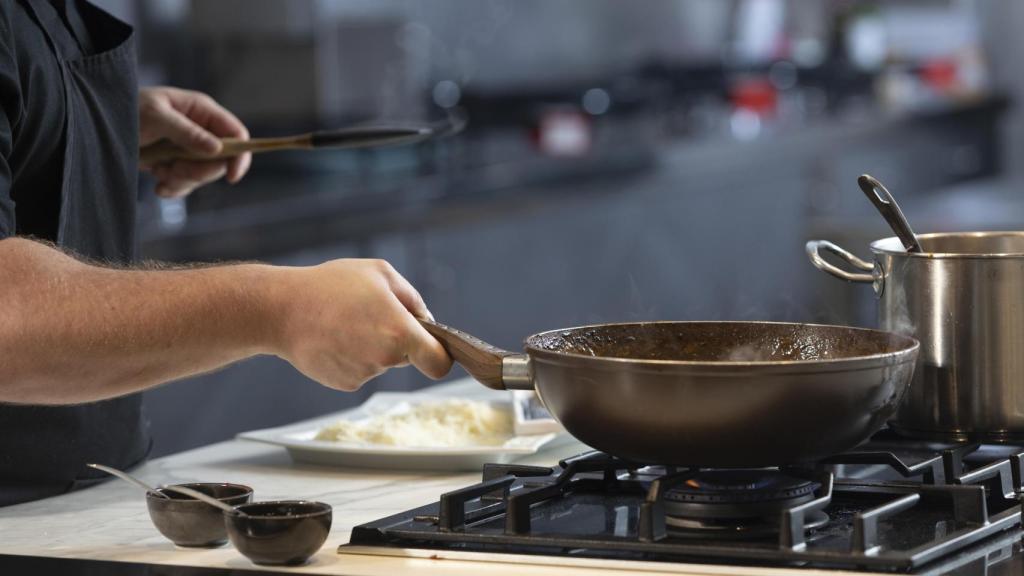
(664, 159)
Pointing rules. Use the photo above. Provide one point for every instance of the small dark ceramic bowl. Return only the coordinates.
(284, 532)
(189, 522)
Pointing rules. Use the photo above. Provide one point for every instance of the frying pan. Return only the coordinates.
(358, 137)
(708, 394)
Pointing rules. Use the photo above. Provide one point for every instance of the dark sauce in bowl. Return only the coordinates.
(286, 532)
(189, 522)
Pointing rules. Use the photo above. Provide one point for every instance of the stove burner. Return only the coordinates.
(740, 528)
(716, 495)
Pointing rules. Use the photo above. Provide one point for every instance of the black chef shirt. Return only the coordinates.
(68, 161)
(33, 118)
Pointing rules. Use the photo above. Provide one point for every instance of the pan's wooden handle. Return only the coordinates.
(166, 151)
(483, 361)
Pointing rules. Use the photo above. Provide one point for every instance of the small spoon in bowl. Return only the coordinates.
(128, 478)
(205, 498)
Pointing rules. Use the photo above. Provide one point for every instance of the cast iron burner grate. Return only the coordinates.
(944, 499)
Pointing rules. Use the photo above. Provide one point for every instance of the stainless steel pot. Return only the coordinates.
(963, 298)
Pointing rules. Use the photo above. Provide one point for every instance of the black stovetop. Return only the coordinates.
(892, 505)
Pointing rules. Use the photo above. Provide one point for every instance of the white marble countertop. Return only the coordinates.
(111, 522)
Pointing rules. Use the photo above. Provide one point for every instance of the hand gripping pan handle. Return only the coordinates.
(491, 366)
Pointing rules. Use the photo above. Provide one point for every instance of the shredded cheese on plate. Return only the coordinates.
(432, 423)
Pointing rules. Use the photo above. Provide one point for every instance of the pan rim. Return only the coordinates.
(912, 345)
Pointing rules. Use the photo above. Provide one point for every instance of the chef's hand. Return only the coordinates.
(345, 321)
(194, 121)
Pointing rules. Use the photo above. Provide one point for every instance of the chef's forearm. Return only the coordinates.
(74, 332)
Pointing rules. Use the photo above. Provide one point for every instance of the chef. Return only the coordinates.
(83, 328)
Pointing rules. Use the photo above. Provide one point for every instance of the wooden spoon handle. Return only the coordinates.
(166, 151)
(483, 361)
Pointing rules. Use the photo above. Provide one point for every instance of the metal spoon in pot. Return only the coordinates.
(128, 478)
(204, 498)
(890, 210)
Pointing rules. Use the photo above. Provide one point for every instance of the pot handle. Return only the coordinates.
(491, 366)
(815, 246)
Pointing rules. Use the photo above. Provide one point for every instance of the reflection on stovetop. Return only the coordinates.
(890, 505)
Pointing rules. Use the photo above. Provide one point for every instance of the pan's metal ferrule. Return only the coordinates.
(516, 373)
(876, 278)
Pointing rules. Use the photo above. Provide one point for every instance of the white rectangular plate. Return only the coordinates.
(298, 438)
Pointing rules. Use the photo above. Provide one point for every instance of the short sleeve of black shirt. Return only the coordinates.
(32, 123)
(10, 114)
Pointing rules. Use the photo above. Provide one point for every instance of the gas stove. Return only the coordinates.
(891, 505)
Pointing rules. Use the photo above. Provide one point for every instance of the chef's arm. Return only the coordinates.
(75, 332)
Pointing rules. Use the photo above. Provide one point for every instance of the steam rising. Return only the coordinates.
(746, 353)
(899, 319)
